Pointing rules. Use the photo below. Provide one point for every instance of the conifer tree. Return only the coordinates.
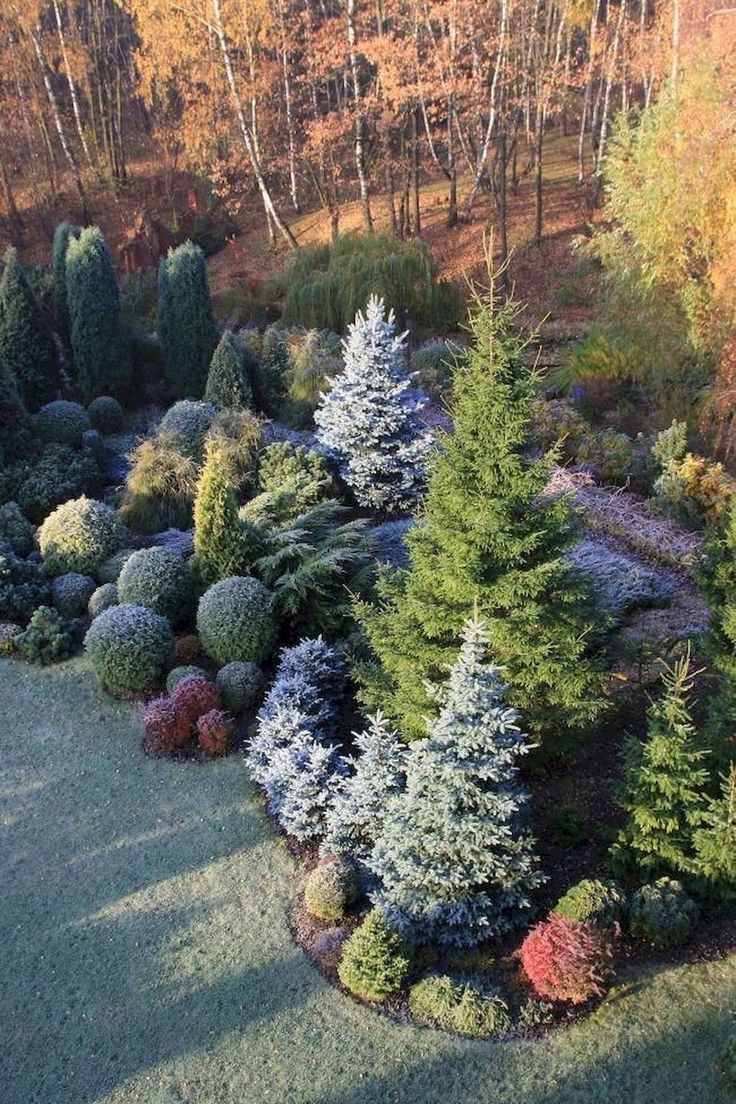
(715, 841)
(718, 583)
(228, 381)
(487, 535)
(663, 784)
(13, 414)
(224, 545)
(454, 862)
(26, 342)
(270, 374)
(369, 416)
(302, 780)
(100, 347)
(186, 324)
(62, 235)
(356, 817)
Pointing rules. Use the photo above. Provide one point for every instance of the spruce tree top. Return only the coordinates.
(26, 343)
(228, 383)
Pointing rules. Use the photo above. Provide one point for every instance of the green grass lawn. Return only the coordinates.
(146, 955)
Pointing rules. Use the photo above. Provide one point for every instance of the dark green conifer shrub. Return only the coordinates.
(64, 231)
(58, 474)
(715, 841)
(159, 579)
(186, 324)
(48, 637)
(106, 414)
(71, 594)
(465, 1007)
(228, 380)
(15, 529)
(130, 647)
(718, 583)
(23, 586)
(291, 480)
(235, 621)
(14, 420)
(270, 376)
(375, 961)
(26, 344)
(241, 685)
(662, 912)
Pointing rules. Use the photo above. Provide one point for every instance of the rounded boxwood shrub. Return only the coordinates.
(79, 536)
(15, 529)
(567, 960)
(215, 732)
(71, 593)
(176, 674)
(332, 887)
(109, 571)
(160, 579)
(236, 622)
(129, 647)
(465, 1007)
(102, 598)
(662, 912)
(375, 962)
(62, 422)
(599, 901)
(166, 725)
(106, 414)
(196, 695)
(185, 425)
(241, 685)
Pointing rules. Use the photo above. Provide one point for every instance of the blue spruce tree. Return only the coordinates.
(454, 861)
(369, 418)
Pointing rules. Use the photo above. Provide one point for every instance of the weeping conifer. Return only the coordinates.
(26, 342)
(186, 324)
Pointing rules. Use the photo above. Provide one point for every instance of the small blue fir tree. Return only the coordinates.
(369, 418)
(379, 773)
(454, 861)
(302, 778)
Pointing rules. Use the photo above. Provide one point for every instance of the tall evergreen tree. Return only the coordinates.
(271, 370)
(663, 784)
(62, 235)
(369, 416)
(13, 414)
(26, 342)
(715, 841)
(224, 545)
(186, 324)
(228, 381)
(487, 536)
(454, 862)
(101, 351)
(718, 583)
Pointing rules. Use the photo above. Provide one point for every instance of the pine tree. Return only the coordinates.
(487, 535)
(100, 347)
(718, 583)
(715, 841)
(26, 343)
(62, 235)
(356, 817)
(663, 784)
(228, 381)
(186, 324)
(454, 861)
(270, 374)
(224, 545)
(369, 416)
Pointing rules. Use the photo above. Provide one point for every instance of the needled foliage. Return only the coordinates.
(485, 536)
(228, 380)
(718, 582)
(13, 414)
(567, 960)
(62, 235)
(186, 324)
(375, 961)
(48, 638)
(26, 344)
(715, 840)
(454, 861)
(102, 362)
(129, 647)
(235, 621)
(270, 375)
(224, 545)
(662, 912)
(465, 1007)
(291, 479)
(159, 488)
(23, 586)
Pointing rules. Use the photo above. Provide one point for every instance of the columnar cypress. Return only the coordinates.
(228, 380)
(369, 416)
(62, 235)
(26, 342)
(186, 324)
(454, 861)
(101, 351)
(487, 535)
(224, 545)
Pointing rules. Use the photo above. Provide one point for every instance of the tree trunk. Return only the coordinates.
(71, 83)
(36, 37)
(360, 164)
(289, 112)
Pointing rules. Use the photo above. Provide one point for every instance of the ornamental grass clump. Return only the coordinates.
(567, 960)
(79, 536)
(235, 621)
(130, 648)
(215, 731)
(375, 962)
(160, 579)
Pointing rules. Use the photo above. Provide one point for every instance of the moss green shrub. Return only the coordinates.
(291, 480)
(662, 912)
(106, 414)
(62, 422)
(464, 1007)
(15, 529)
(26, 345)
(23, 586)
(599, 901)
(176, 674)
(235, 621)
(375, 962)
(79, 536)
(71, 593)
(58, 474)
(130, 647)
(241, 685)
(159, 488)
(185, 426)
(48, 638)
(331, 888)
(109, 571)
(102, 598)
(160, 579)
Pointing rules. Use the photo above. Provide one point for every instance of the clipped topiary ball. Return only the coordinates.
(166, 725)
(102, 598)
(332, 887)
(241, 685)
(71, 593)
(375, 962)
(15, 529)
(159, 579)
(196, 696)
(662, 912)
(185, 425)
(106, 414)
(215, 732)
(177, 674)
(109, 571)
(600, 901)
(129, 647)
(236, 622)
(62, 422)
(79, 536)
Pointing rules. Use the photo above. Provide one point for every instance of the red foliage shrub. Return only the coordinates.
(166, 724)
(567, 960)
(196, 696)
(215, 732)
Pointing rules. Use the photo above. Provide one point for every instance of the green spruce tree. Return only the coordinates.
(186, 324)
(228, 381)
(271, 375)
(663, 793)
(62, 235)
(715, 841)
(101, 350)
(26, 342)
(223, 544)
(718, 583)
(485, 535)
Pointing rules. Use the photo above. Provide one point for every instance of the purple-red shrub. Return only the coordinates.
(567, 960)
(166, 724)
(196, 696)
(215, 732)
